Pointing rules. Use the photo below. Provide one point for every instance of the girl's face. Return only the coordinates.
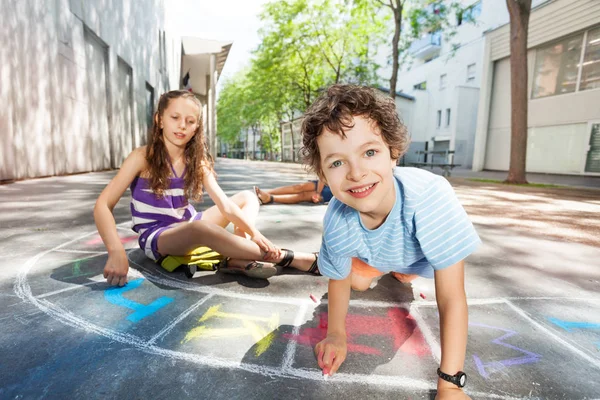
(179, 121)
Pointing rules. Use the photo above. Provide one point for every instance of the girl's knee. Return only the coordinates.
(244, 197)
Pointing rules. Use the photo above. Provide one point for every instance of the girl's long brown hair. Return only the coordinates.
(195, 154)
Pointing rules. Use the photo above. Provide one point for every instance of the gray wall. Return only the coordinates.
(74, 82)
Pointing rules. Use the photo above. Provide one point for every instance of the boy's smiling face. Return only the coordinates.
(358, 169)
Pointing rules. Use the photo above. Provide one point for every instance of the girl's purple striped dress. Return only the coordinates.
(152, 215)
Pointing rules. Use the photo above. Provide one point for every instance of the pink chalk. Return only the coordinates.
(422, 295)
(313, 298)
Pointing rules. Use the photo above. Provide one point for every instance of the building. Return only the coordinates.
(444, 75)
(80, 81)
(563, 88)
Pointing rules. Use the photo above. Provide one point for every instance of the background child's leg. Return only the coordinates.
(291, 198)
(293, 189)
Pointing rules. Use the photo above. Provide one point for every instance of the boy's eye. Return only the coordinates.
(336, 164)
(370, 153)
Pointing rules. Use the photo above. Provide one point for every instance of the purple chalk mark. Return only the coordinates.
(495, 366)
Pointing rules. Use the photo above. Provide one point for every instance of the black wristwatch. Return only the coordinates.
(459, 379)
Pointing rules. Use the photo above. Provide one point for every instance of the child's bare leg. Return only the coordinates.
(245, 200)
(288, 198)
(404, 278)
(293, 189)
(361, 283)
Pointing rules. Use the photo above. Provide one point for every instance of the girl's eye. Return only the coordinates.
(370, 153)
(336, 164)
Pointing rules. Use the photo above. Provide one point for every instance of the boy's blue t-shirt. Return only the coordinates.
(426, 230)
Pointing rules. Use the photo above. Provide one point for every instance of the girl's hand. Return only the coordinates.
(272, 252)
(331, 353)
(451, 394)
(115, 270)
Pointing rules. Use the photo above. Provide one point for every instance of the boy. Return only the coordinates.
(382, 219)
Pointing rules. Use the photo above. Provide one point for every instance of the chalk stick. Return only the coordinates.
(422, 295)
(313, 298)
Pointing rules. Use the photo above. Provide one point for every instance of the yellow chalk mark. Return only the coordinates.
(264, 336)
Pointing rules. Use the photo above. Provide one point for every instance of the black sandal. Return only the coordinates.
(288, 258)
(263, 203)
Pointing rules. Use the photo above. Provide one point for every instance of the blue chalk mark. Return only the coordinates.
(570, 325)
(114, 295)
(494, 366)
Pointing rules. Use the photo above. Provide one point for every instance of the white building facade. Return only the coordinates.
(563, 90)
(80, 80)
(444, 76)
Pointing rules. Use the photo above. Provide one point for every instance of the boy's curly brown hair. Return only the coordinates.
(334, 109)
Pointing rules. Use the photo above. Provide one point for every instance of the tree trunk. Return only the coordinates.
(246, 146)
(293, 145)
(397, 11)
(519, 11)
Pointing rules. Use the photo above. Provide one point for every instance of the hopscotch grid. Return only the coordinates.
(553, 335)
(181, 317)
(290, 351)
(23, 291)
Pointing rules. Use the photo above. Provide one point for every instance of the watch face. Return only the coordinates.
(462, 380)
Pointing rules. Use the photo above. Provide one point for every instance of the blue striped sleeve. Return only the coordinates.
(336, 268)
(442, 227)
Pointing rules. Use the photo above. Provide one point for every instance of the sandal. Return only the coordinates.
(288, 257)
(257, 192)
(253, 270)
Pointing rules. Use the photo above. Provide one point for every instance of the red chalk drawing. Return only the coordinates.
(398, 327)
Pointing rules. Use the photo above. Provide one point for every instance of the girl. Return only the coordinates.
(162, 177)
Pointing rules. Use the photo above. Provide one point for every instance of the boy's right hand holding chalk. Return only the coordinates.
(331, 352)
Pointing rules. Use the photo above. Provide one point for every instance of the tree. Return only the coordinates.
(519, 11)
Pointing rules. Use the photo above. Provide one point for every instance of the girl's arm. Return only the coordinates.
(331, 352)
(117, 265)
(452, 306)
(232, 212)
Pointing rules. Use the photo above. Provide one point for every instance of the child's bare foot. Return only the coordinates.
(306, 262)
(263, 197)
(404, 278)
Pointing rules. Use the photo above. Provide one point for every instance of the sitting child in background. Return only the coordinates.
(312, 191)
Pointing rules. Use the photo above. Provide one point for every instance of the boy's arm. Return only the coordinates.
(331, 352)
(452, 305)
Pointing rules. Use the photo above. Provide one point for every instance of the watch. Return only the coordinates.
(459, 379)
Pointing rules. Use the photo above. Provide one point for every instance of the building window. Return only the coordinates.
(469, 14)
(590, 72)
(470, 73)
(439, 118)
(558, 67)
(443, 79)
(420, 86)
(447, 117)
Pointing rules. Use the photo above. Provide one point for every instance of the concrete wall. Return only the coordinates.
(76, 77)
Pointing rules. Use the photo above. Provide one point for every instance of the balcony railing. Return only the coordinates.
(426, 47)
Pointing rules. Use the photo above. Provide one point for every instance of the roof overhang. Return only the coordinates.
(195, 58)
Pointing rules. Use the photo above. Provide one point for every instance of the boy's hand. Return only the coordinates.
(116, 268)
(331, 353)
(272, 252)
(451, 394)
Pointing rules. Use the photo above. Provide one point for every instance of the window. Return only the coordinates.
(420, 86)
(447, 117)
(443, 79)
(470, 73)
(590, 72)
(569, 65)
(469, 14)
(439, 118)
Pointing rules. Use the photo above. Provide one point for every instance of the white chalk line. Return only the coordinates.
(81, 251)
(430, 338)
(290, 351)
(554, 336)
(177, 320)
